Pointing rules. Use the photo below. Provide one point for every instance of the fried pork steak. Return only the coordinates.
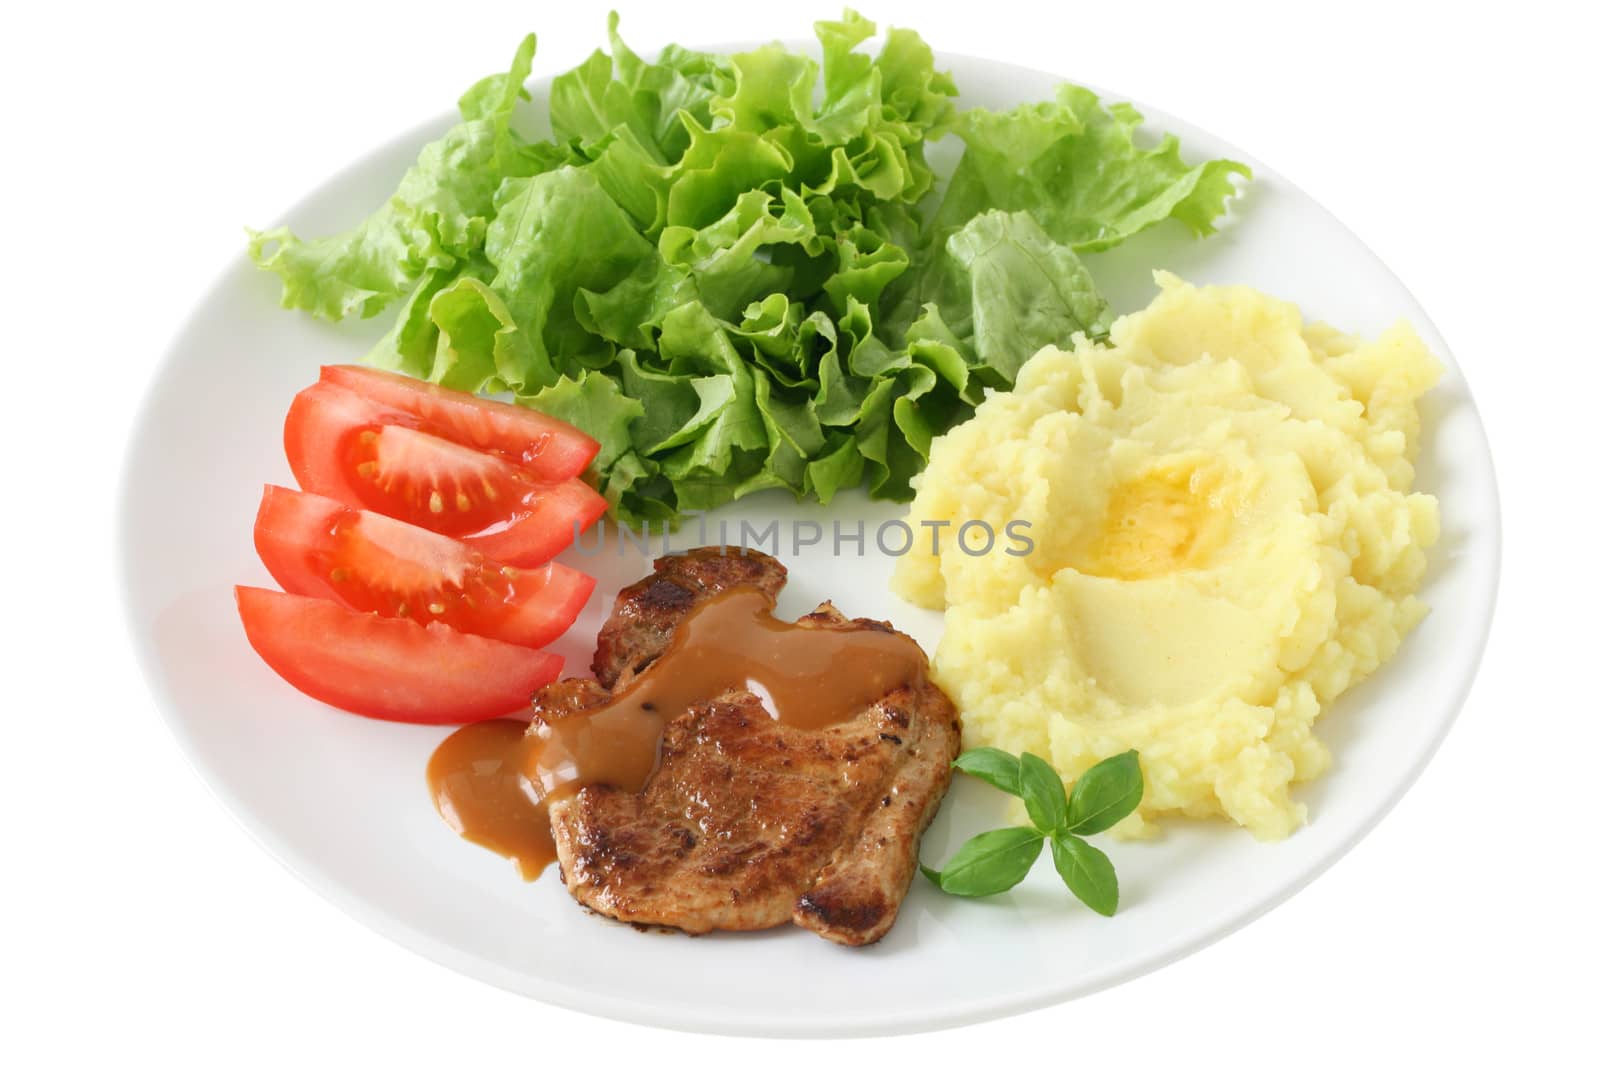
(749, 823)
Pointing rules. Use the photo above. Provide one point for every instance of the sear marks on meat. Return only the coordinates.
(749, 823)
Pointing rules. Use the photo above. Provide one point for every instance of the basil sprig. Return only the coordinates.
(995, 861)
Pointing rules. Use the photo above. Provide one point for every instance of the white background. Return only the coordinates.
(136, 917)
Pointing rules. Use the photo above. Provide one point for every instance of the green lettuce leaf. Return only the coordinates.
(1002, 291)
(1072, 164)
(437, 219)
(734, 271)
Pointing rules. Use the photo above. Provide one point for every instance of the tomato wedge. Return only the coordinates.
(315, 546)
(390, 668)
(547, 447)
(349, 447)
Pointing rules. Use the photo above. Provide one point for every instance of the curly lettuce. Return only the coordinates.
(736, 272)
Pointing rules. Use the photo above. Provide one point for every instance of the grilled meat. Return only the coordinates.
(750, 823)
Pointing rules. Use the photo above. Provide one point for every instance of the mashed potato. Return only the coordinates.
(1224, 541)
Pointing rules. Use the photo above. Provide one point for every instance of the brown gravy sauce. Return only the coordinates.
(491, 781)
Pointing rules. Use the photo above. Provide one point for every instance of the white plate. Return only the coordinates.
(341, 800)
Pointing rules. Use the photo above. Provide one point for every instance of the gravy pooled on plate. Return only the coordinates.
(493, 781)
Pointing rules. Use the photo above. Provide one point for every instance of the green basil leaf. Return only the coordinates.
(1087, 872)
(1105, 794)
(999, 769)
(1042, 793)
(990, 863)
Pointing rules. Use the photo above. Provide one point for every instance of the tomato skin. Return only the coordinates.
(316, 433)
(316, 546)
(547, 447)
(390, 668)
(361, 452)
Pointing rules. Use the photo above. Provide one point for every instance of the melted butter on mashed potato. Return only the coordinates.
(1225, 541)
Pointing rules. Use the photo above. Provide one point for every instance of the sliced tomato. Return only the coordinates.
(555, 517)
(315, 546)
(548, 447)
(390, 668)
(358, 451)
